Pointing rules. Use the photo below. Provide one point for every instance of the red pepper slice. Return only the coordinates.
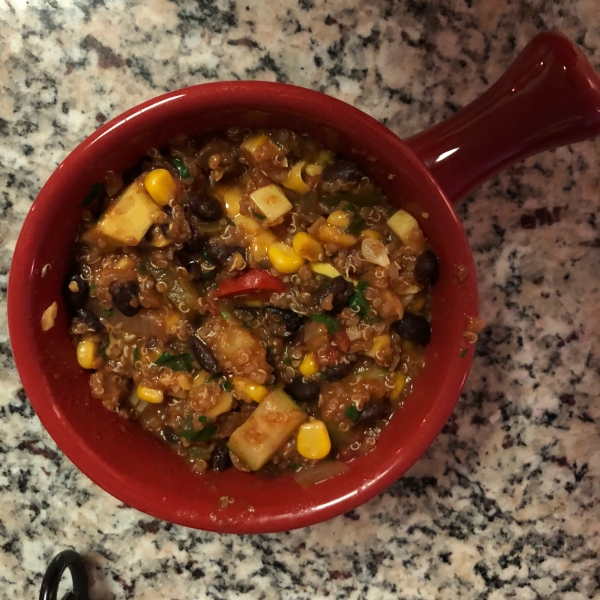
(250, 282)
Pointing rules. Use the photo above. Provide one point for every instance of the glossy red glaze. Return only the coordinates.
(549, 97)
(132, 465)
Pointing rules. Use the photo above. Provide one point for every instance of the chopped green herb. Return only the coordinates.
(349, 206)
(204, 419)
(176, 362)
(293, 466)
(137, 354)
(199, 436)
(208, 275)
(206, 258)
(373, 320)
(181, 168)
(104, 345)
(143, 269)
(108, 312)
(373, 197)
(227, 385)
(95, 191)
(93, 288)
(259, 216)
(214, 377)
(288, 361)
(357, 225)
(331, 323)
(226, 314)
(357, 302)
(352, 412)
(463, 352)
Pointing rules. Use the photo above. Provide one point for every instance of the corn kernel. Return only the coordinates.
(325, 157)
(313, 170)
(200, 379)
(313, 440)
(307, 247)
(371, 233)
(223, 405)
(185, 381)
(284, 258)
(230, 196)
(332, 235)
(417, 303)
(309, 366)
(399, 382)
(254, 390)
(150, 395)
(339, 218)
(86, 354)
(161, 186)
(172, 322)
(294, 180)
(380, 342)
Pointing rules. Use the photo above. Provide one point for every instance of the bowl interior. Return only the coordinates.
(132, 465)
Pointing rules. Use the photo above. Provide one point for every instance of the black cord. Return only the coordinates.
(69, 559)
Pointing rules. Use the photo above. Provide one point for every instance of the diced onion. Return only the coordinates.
(353, 333)
(144, 324)
(320, 472)
(375, 252)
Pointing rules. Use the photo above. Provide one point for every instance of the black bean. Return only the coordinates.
(206, 207)
(414, 328)
(374, 411)
(219, 253)
(192, 264)
(91, 321)
(293, 321)
(203, 354)
(344, 170)
(219, 459)
(196, 243)
(126, 297)
(77, 291)
(341, 291)
(303, 390)
(168, 435)
(427, 269)
(338, 372)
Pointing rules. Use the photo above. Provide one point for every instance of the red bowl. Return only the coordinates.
(132, 465)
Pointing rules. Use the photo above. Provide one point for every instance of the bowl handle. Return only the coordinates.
(549, 97)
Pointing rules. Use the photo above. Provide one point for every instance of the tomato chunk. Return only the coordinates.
(251, 281)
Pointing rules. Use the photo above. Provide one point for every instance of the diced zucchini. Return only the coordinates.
(403, 225)
(329, 271)
(222, 406)
(260, 146)
(128, 218)
(180, 290)
(267, 430)
(325, 269)
(230, 197)
(271, 201)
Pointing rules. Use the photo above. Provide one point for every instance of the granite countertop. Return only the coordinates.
(505, 503)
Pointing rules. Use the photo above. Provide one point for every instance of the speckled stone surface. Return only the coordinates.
(506, 502)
